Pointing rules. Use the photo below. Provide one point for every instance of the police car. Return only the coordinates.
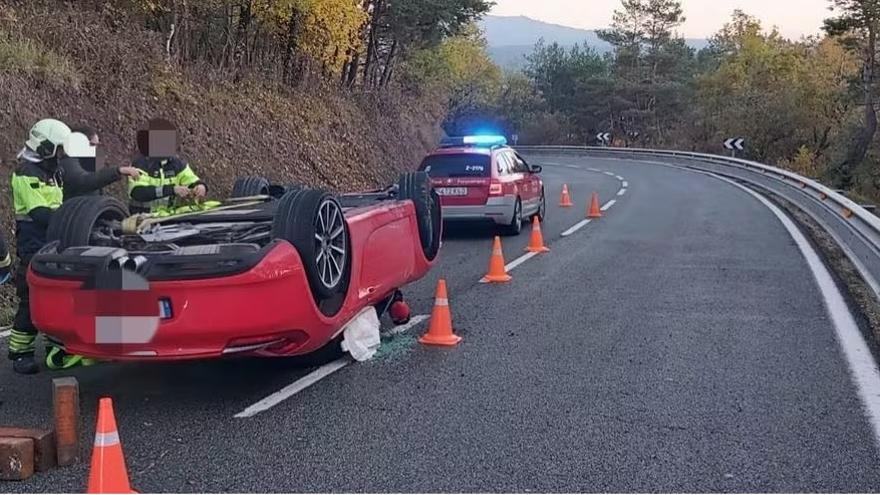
(481, 178)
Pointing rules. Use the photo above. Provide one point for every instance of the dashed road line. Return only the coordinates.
(621, 192)
(578, 226)
(295, 387)
(317, 375)
(625, 184)
(513, 264)
(609, 204)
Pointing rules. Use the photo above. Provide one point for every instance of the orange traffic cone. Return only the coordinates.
(595, 211)
(107, 473)
(440, 330)
(565, 199)
(497, 270)
(536, 243)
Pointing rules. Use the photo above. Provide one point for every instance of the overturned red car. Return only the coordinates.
(272, 271)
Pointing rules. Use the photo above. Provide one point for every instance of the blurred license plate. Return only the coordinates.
(452, 191)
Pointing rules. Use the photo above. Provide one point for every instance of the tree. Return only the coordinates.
(459, 70)
(650, 66)
(858, 25)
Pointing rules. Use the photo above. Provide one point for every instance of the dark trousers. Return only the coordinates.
(24, 334)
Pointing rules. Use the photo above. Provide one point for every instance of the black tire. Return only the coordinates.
(417, 187)
(297, 221)
(72, 224)
(516, 223)
(541, 214)
(246, 187)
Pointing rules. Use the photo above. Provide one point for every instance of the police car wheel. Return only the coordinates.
(74, 223)
(246, 187)
(416, 186)
(314, 222)
(516, 222)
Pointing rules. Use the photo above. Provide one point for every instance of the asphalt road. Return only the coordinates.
(679, 344)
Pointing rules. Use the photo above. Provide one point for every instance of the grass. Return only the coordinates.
(26, 56)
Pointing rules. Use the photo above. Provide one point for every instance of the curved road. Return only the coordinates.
(679, 344)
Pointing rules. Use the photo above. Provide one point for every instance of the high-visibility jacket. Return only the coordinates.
(37, 191)
(153, 191)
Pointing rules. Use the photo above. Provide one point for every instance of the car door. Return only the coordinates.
(526, 183)
(537, 185)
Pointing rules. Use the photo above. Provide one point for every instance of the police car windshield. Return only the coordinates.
(460, 165)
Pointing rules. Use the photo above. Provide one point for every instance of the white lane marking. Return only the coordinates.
(320, 373)
(609, 204)
(618, 178)
(415, 320)
(594, 170)
(513, 264)
(621, 192)
(295, 387)
(578, 226)
(625, 184)
(609, 174)
(519, 261)
(863, 369)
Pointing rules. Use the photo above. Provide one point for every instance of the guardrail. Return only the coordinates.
(853, 216)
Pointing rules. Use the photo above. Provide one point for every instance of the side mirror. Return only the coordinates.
(536, 169)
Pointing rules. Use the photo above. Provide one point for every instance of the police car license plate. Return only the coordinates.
(452, 191)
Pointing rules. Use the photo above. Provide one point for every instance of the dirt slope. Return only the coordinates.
(91, 64)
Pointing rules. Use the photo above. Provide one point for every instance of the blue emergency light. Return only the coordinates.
(483, 140)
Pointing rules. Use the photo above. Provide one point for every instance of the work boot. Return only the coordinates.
(57, 359)
(25, 365)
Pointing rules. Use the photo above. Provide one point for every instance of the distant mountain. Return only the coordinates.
(512, 38)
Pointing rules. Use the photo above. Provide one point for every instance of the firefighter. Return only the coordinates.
(165, 178)
(37, 191)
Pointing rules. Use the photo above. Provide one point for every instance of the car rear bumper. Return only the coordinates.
(266, 310)
(498, 210)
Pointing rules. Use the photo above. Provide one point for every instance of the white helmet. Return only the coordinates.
(45, 137)
(77, 145)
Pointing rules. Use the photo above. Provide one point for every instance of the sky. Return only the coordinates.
(794, 18)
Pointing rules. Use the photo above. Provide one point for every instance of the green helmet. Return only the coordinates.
(45, 137)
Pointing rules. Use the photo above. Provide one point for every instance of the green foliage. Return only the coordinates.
(459, 69)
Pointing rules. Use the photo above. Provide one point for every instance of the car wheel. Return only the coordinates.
(416, 186)
(516, 223)
(314, 222)
(246, 187)
(81, 221)
(542, 209)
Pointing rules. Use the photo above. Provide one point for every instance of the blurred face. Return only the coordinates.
(162, 143)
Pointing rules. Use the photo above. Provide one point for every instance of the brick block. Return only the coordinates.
(16, 458)
(65, 395)
(44, 444)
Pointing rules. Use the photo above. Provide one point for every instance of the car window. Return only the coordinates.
(519, 166)
(503, 164)
(520, 163)
(458, 165)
